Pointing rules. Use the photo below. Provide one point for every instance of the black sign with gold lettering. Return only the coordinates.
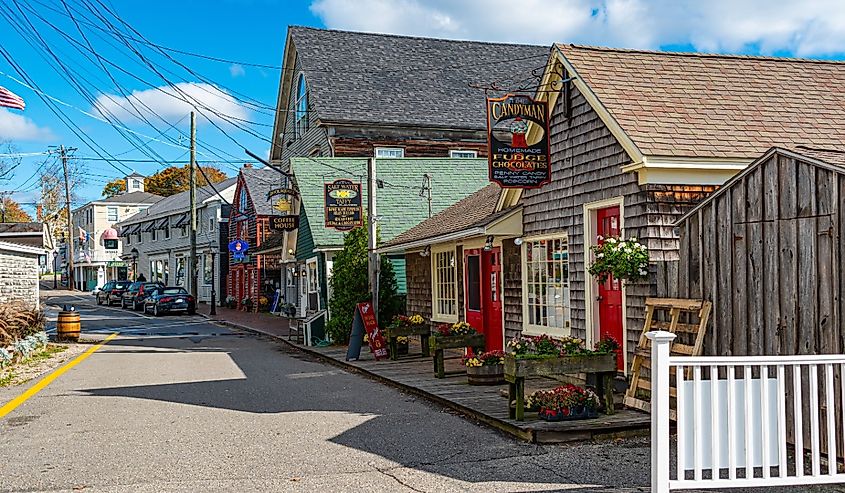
(343, 205)
(284, 223)
(281, 191)
(518, 153)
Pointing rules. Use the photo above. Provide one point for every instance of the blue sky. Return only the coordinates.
(254, 31)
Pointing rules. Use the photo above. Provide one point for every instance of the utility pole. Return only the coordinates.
(193, 187)
(69, 238)
(373, 264)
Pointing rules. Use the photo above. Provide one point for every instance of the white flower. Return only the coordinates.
(599, 237)
(611, 240)
(599, 255)
(634, 239)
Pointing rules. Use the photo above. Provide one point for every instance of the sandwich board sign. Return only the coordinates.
(364, 321)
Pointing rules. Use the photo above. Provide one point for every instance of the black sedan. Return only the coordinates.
(170, 299)
(112, 292)
(134, 295)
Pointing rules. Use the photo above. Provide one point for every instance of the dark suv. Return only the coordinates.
(111, 292)
(136, 292)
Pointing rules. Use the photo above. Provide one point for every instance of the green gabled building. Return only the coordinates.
(402, 202)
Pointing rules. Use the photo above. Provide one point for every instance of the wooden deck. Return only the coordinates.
(487, 404)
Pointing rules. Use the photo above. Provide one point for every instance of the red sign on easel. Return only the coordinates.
(377, 343)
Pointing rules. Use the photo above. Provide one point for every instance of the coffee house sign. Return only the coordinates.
(518, 141)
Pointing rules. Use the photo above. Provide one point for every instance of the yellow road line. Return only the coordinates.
(17, 401)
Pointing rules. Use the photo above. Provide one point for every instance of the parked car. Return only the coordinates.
(170, 299)
(136, 292)
(111, 292)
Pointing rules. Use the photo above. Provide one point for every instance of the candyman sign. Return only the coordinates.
(518, 141)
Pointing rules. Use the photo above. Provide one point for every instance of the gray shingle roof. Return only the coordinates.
(134, 198)
(378, 78)
(259, 181)
(21, 227)
(175, 203)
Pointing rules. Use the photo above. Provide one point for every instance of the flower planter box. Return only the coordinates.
(486, 375)
(568, 414)
(412, 330)
(517, 369)
(438, 343)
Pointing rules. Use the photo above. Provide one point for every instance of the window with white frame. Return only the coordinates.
(462, 154)
(112, 214)
(444, 284)
(211, 224)
(136, 184)
(301, 112)
(313, 282)
(389, 152)
(545, 285)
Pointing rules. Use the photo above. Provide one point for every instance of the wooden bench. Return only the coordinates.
(603, 365)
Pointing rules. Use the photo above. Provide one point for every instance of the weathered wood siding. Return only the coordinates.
(414, 147)
(586, 162)
(418, 277)
(512, 287)
(766, 253)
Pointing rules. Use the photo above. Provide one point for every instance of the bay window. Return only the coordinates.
(444, 286)
(545, 286)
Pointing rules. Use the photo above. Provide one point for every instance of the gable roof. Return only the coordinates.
(399, 203)
(714, 106)
(34, 228)
(476, 210)
(830, 156)
(402, 80)
(178, 202)
(259, 181)
(17, 247)
(133, 198)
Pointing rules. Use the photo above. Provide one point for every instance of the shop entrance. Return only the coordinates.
(610, 291)
(482, 294)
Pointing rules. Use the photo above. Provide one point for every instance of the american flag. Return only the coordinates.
(10, 99)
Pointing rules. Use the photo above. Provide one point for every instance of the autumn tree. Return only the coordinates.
(11, 212)
(176, 179)
(114, 187)
(53, 211)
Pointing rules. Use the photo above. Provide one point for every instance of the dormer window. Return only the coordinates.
(136, 184)
(301, 107)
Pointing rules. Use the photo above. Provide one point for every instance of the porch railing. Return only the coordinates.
(746, 421)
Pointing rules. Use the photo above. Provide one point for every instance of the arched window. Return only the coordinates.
(301, 120)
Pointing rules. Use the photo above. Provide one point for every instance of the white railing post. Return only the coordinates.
(660, 410)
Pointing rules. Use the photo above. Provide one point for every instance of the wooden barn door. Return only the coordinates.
(610, 291)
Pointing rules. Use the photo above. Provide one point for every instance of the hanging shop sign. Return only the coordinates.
(281, 191)
(344, 210)
(238, 249)
(115, 263)
(518, 153)
(283, 205)
(284, 223)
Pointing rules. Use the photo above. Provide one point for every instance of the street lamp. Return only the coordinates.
(134, 253)
(55, 263)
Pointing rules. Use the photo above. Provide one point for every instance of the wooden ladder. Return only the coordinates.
(640, 383)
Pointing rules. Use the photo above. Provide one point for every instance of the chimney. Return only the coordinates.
(39, 212)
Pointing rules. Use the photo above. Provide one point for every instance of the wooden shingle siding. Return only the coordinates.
(512, 286)
(418, 277)
(767, 253)
(314, 138)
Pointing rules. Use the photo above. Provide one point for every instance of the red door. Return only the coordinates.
(472, 289)
(483, 295)
(610, 291)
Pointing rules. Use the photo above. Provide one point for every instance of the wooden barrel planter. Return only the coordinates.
(68, 326)
(486, 375)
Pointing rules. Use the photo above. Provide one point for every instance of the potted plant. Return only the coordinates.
(247, 303)
(452, 336)
(231, 302)
(623, 259)
(401, 328)
(289, 309)
(263, 303)
(565, 403)
(402, 344)
(486, 368)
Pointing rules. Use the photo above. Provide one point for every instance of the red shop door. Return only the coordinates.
(483, 299)
(610, 291)
(472, 289)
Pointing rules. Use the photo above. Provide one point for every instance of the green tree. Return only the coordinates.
(350, 286)
(114, 187)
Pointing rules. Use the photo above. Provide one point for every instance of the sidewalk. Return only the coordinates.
(414, 374)
(264, 323)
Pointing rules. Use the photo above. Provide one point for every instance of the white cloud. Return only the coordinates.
(236, 70)
(14, 126)
(171, 104)
(808, 28)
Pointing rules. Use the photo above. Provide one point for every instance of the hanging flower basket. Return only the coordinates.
(623, 259)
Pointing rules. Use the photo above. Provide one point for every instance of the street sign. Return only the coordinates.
(344, 210)
(518, 141)
(284, 223)
(238, 249)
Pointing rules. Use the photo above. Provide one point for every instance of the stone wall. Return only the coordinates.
(18, 277)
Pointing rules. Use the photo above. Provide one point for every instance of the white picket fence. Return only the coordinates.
(734, 425)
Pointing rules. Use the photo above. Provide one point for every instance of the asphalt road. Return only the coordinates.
(181, 404)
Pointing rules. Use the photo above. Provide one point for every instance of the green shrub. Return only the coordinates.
(350, 286)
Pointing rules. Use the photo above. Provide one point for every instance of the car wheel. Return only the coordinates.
(155, 311)
(135, 306)
(99, 301)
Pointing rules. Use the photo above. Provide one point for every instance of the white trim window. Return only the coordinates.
(301, 107)
(444, 281)
(111, 214)
(462, 154)
(545, 286)
(389, 152)
(313, 280)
